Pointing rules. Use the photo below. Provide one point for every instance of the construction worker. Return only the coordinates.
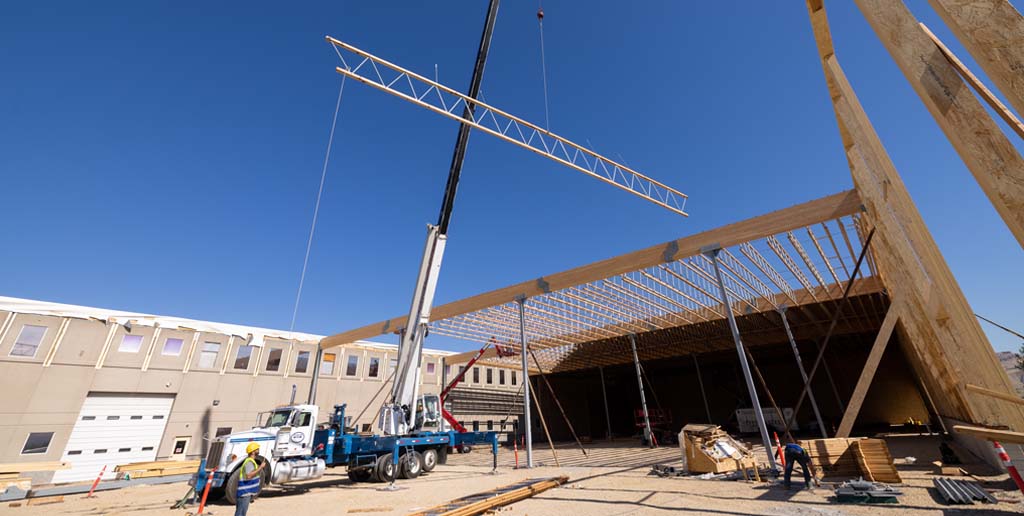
(248, 479)
(794, 453)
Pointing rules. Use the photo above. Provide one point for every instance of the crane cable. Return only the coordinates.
(316, 208)
(543, 66)
(1000, 326)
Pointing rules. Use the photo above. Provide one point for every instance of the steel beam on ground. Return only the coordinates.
(640, 383)
(712, 253)
(526, 383)
(803, 373)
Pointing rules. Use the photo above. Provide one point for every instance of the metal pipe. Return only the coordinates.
(713, 254)
(604, 394)
(803, 373)
(526, 383)
(703, 395)
(316, 375)
(643, 399)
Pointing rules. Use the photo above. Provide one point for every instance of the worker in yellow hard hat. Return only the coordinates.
(248, 479)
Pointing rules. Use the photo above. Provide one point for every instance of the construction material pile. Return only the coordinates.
(709, 449)
(875, 462)
(961, 492)
(862, 491)
(852, 458)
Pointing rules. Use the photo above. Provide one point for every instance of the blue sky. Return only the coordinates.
(164, 156)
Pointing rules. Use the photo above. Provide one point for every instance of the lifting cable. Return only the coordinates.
(1000, 326)
(316, 208)
(543, 65)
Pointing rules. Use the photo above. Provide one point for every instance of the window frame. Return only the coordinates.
(352, 366)
(125, 337)
(35, 350)
(181, 345)
(431, 367)
(248, 359)
(373, 368)
(489, 375)
(46, 448)
(300, 356)
(270, 356)
(203, 351)
(324, 361)
(501, 377)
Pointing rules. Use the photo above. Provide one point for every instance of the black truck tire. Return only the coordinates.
(429, 460)
(385, 468)
(360, 474)
(231, 485)
(411, 464)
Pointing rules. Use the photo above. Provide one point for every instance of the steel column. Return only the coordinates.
(316, 375)
(712, 253)
(803, 373)
(521, 301)
(643, 399)
(604, 394)
(703, 395)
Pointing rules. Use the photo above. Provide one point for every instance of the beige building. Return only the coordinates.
(98, 387)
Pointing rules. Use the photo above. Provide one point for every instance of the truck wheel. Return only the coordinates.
(231, 485)
(465, 448)
(360, 474)
(429, 460)
(385, 468)
(411, 464)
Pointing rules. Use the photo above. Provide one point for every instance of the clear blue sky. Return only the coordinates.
(164, 156)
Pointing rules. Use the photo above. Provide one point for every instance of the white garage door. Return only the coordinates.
(114, 429)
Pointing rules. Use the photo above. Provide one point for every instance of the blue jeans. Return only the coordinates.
(792, 458)
(242, 505)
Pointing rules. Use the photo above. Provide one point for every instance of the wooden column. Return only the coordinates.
(984, 148)
(868, 373)
(993, 32)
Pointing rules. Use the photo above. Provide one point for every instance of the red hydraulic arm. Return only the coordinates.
(455, 381)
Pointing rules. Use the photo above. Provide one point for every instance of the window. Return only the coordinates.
(74, 452)
(476, 426)
(158, 417)
(430, 368)
(179, 446)
(122, 450)
(37, 442)
(100, 450)
(274, 359)
(490, 425)
(113, 418)
(501, 377)
(366, 427)
(327, 364)
(136, 417)
(490, 375)
(130, 344)
(353, 366)
(88, 418)
(28, 341)
(208, 355)
(303, 419)
(476, 375)
(374, 367)
(242, 358)
(392, 365)
(172, 347)
(223, 430)
(302, 362)
(462, 369)
(147, 448)
(513, 377)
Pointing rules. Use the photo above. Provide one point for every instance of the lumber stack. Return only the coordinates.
(28, 467)
(14, 480)
(833, 457)
(160, 468)
(488, 500)
(875, 462)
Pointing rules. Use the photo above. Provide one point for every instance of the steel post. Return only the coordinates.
(528, 428)
(803, 373)
(604, 394)
(712, 253)
(316, 375)
(703, 395)
(643, 399)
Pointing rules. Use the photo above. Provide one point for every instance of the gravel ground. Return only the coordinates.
(612, 480)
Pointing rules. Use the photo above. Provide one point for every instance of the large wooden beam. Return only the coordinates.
(990, 434)
(868, 373)
(801, 215)
(993, 32)
(981, 144)
(1012, 398)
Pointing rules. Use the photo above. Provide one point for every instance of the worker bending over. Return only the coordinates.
(794, 453)
(249, 480)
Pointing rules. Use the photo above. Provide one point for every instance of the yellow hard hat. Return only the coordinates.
(252, 447)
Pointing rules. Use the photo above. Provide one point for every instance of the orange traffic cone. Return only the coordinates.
(1005, 457)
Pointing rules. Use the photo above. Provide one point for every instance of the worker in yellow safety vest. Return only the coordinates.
(248, 479)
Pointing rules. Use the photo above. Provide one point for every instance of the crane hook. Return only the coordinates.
(540, 14)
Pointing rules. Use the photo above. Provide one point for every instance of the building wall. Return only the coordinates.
(44, 392)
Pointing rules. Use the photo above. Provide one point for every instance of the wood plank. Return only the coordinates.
(795, 217)
(982, 90)
(1012, 398)
(25, 467)
(992, 159)
(990, 434)
(868, 373)
(993, 32)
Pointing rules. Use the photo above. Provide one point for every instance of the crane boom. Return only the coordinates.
(417, 89)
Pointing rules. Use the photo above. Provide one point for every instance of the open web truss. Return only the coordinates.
(791, 269)
(417, 89)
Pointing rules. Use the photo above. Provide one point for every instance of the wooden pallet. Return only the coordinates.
(832, 457)
(488, 500)
(875, 462)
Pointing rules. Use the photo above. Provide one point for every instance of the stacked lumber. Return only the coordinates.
(489, 500)
(833, 457)
(27, 467)
(159, 468)
(15, 480)
(875, 462)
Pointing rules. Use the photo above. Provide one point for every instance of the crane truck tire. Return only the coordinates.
(231, 484)
(411, 465)
(385, 468)
(361, 474)
(429, 460)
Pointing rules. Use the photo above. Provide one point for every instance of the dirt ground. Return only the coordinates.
(613, 479)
